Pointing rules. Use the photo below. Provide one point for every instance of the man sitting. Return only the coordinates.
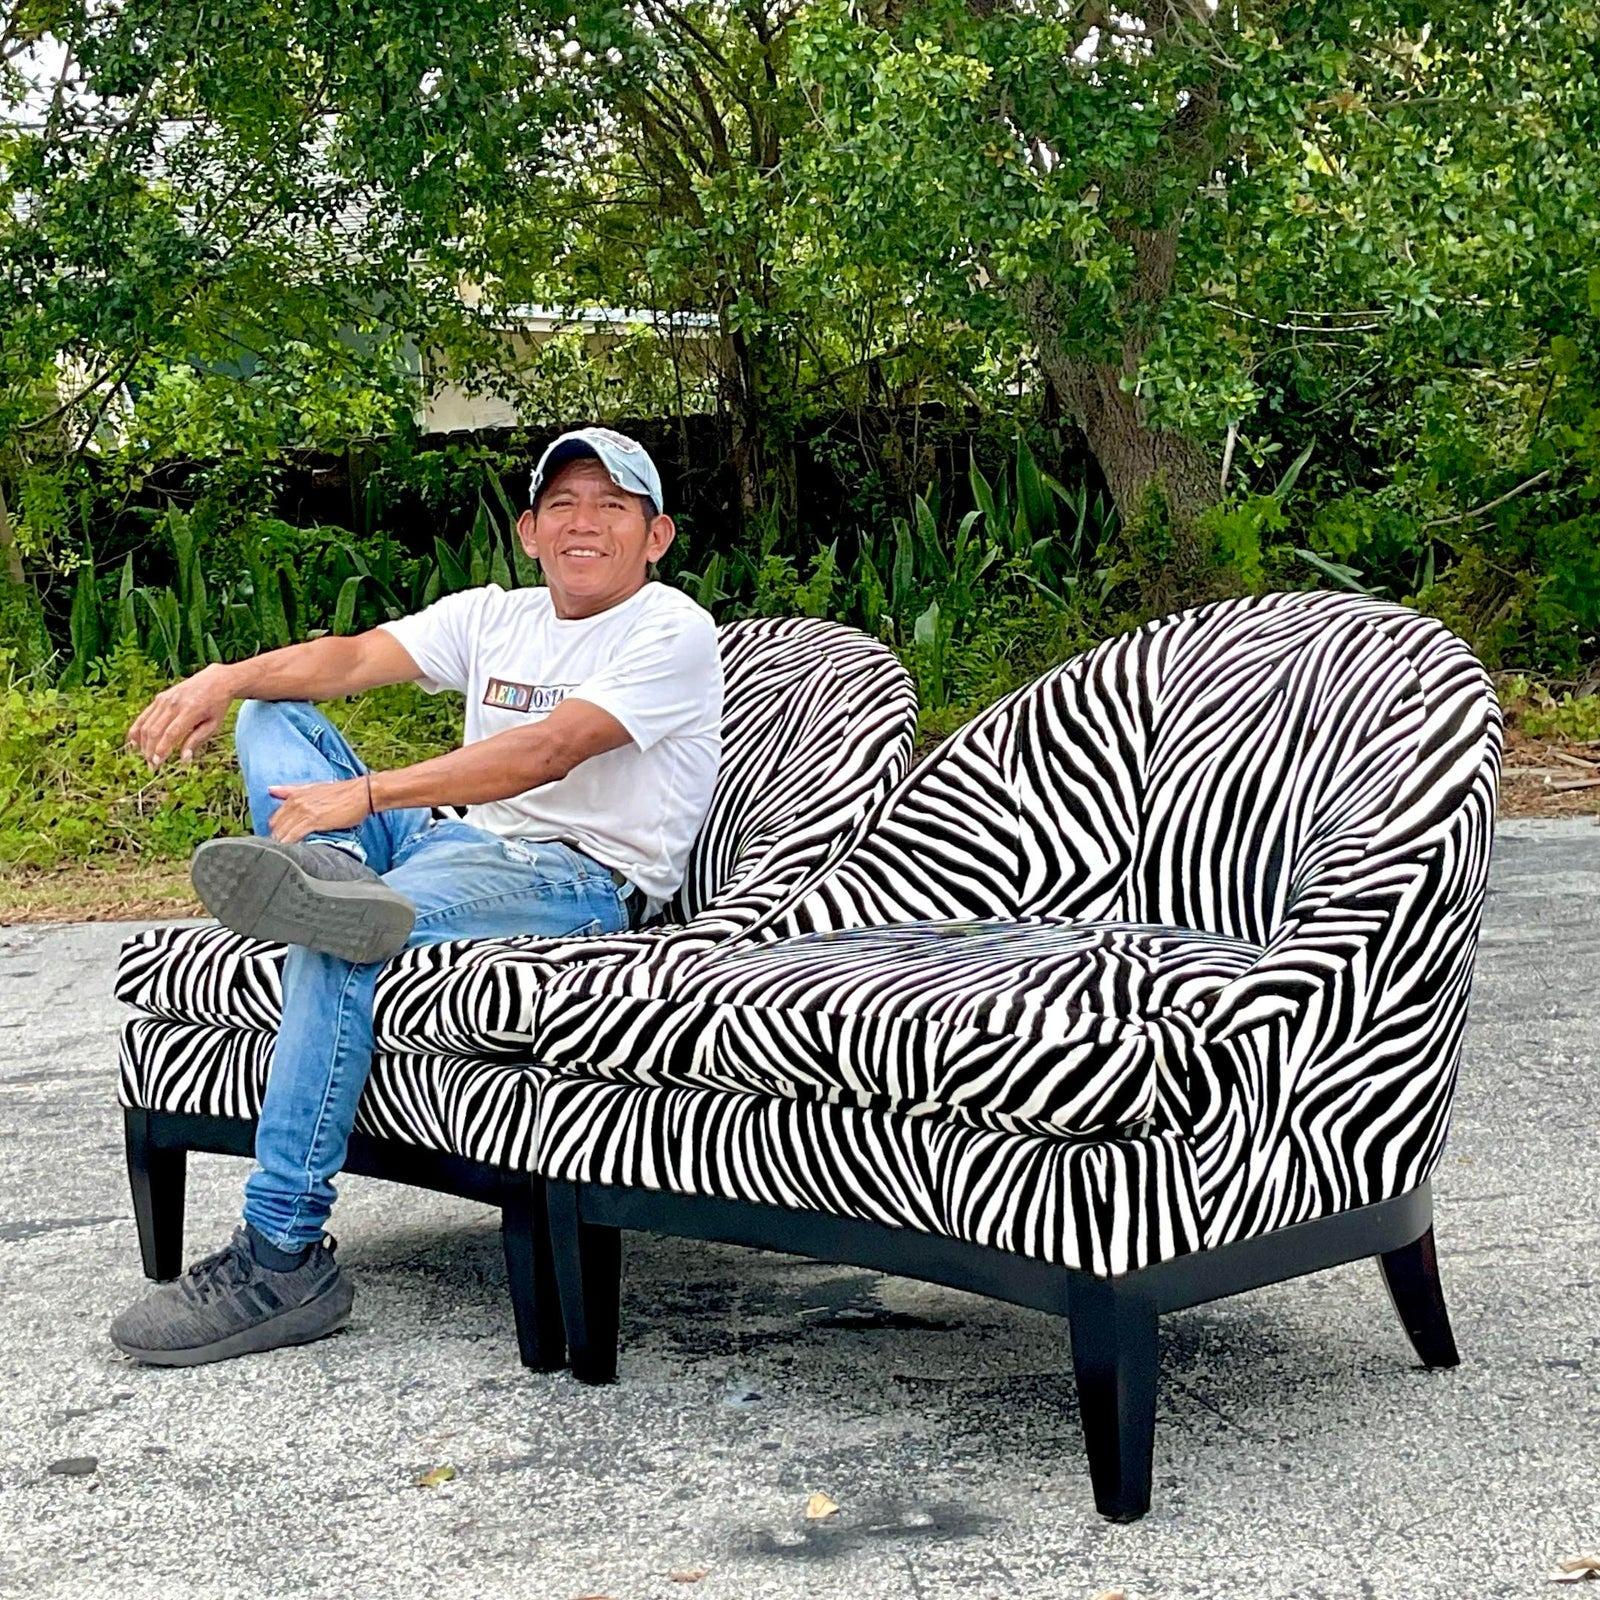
(594, 709)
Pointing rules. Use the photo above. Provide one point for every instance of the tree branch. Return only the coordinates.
(1492, 505)
(678, 21)
(1301, 327)
(120, 375)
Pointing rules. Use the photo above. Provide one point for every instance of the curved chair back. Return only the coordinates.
(818, 723)
(1204, 771)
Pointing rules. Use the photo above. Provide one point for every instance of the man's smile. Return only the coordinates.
(596, 540)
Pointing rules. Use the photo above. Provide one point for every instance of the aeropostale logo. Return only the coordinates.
(505, 695)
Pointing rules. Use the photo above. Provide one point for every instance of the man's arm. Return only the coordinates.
(189, 713)
(504, 764)
(492, 769)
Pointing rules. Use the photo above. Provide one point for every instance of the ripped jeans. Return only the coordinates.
(465, 883)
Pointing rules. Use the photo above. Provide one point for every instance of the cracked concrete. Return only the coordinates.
(1300, 1452)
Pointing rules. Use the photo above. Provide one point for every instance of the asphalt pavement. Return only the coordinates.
(1300, 1451)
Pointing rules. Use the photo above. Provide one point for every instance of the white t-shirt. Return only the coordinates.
(651, 661)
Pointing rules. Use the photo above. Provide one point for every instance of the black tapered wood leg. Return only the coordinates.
(1115, 1358)
(1412, 1276)
(156, 1179)
(588, 1261)
(531, 1274)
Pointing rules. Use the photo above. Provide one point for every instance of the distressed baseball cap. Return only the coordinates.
(626, 461)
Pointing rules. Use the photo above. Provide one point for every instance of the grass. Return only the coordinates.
(91, 892)
(128, 858)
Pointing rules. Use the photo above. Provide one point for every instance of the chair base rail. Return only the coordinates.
(564, 1268)
(158, 1144)
(1113, 1321)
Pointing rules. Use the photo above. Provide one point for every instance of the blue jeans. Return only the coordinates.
(465, 883)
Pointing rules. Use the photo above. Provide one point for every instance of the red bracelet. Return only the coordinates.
(371, 809)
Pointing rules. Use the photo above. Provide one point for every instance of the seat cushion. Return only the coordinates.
(483, 1110)
(1105, 1206)
(1077, 1030)
(466, 997)
(470, 997)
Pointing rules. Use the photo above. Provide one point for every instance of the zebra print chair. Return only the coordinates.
(1146, 988)
(819, 722)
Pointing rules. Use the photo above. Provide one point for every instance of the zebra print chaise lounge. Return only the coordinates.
(1146, 988)
(818, 724)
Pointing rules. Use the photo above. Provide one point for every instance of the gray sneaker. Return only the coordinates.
(230, 1305)
(311, 894)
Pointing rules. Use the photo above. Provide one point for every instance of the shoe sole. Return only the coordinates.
(256, 890)
(316, 1319)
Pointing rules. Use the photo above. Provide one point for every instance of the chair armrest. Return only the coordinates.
(1383, 910)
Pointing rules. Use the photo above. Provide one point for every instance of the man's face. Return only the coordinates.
(591, 539)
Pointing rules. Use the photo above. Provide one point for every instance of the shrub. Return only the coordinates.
(70, 790)
(1533, 708)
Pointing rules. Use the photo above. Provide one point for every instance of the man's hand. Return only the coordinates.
(182, 717)
(317, 808)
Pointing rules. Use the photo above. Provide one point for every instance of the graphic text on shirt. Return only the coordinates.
(504, 695)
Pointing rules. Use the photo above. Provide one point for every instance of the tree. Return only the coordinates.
(1227, 229)
(224, 229)
(1215, 237)
(688, 178)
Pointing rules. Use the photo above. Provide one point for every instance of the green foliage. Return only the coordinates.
(24, 638)
(1370, 229)
(1537, 711)
(1242, 527)
(263, 583)
(71, 791)
(974, 605)
(220, 255)
(1374, 230)
(1526, 594)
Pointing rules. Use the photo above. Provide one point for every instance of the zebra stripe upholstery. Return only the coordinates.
(1053, 1199)
(483, 1110)
(818, 723)
(1287, 798)
(1106, 1206)
(1030, 1026)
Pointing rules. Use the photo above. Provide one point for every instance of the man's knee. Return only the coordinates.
(313, 977)
(264, 718)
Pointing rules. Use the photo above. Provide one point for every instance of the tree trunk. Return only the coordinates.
(761, 434)
(744, 430)
(1134, 457)
(1160, 481)
(22, 631)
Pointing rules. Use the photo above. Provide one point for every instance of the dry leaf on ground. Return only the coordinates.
(820, 1505)
(690, 1574)
(432, 1478)
(1578, 1570)
(1112, 1594)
